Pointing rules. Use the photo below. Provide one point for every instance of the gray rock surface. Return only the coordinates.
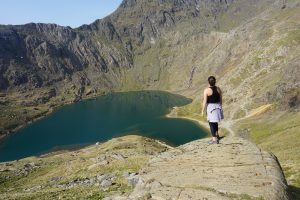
(234, 169)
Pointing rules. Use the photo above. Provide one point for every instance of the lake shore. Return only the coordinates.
(168, 132)
(173, 114)
(7, 131)
(225, 124)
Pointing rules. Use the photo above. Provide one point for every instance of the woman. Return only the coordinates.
(212, 102)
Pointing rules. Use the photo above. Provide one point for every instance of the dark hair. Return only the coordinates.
(212, 81)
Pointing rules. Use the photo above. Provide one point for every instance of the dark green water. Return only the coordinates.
(114, 115)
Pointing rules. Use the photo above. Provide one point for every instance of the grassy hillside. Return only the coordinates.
(93, 172)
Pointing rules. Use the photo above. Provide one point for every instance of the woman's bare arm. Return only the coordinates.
(204, 103)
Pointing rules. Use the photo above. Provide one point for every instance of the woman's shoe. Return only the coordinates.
(213, 142)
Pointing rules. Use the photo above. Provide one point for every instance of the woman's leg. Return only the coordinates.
(213, 129)
(217, 132)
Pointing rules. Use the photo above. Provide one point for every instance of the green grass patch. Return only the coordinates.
(76, 165)
(278, 132)
(292, 38)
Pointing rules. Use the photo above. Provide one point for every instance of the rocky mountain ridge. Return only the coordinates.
(53, 53)
(134, 167)
(42, 54)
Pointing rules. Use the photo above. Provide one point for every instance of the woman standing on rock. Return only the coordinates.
(212, 102)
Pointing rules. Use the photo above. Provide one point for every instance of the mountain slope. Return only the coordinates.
(251, 46)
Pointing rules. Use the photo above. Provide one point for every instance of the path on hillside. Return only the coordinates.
(227, 124)
(234, 169)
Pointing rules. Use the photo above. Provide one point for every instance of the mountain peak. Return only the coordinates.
(128, 3)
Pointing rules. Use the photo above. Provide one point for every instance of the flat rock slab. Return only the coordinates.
(233, 169)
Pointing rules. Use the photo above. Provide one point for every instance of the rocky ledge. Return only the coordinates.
(134, 167)
(233, 169)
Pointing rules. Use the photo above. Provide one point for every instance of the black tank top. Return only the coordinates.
(215, 97)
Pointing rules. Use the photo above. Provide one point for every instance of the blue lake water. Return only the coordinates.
(117, 114)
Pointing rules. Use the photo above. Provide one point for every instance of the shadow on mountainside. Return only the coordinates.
(294, 192)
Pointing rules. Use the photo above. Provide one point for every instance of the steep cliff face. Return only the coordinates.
(37, 55)
(149, 20)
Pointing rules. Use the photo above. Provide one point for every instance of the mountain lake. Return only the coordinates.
(103, 118)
